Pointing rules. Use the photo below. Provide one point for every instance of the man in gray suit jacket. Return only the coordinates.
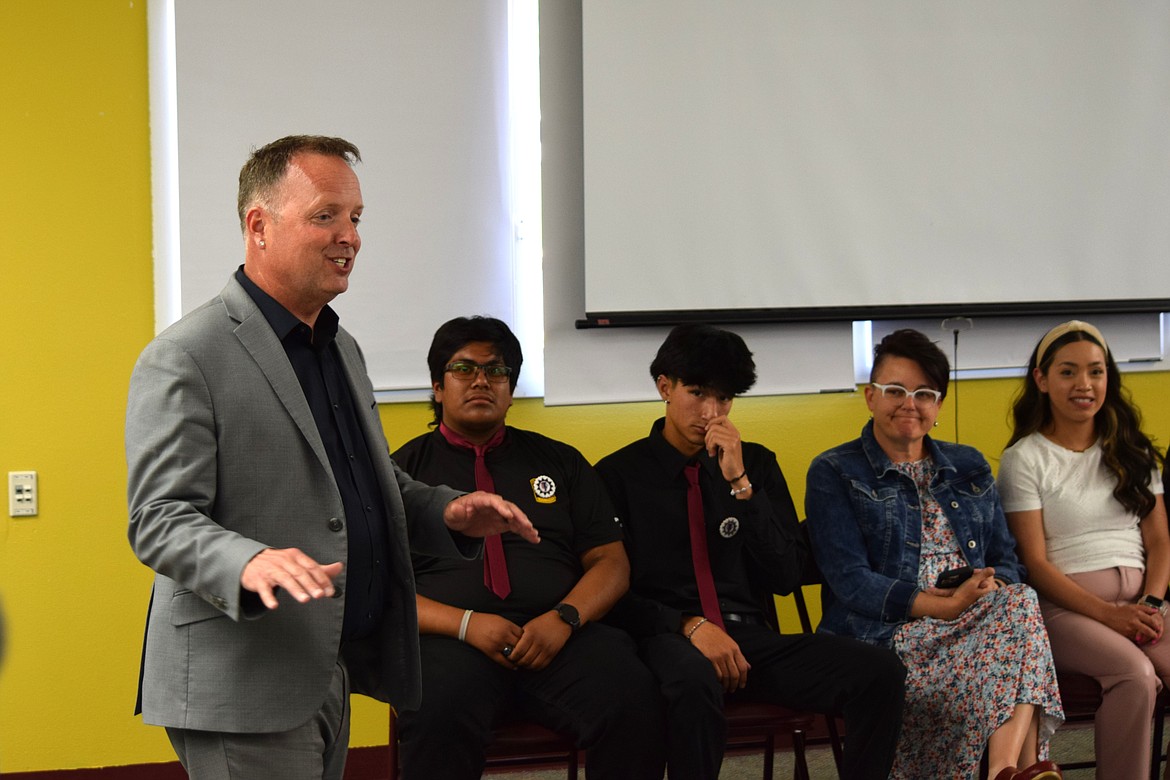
(262, 494)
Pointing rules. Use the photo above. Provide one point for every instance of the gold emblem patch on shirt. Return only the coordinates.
(544, 489)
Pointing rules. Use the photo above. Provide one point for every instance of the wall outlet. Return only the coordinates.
(22, 493)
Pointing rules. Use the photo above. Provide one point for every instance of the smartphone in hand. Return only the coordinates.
(953, 578)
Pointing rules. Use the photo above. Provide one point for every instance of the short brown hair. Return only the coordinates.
(268, 165)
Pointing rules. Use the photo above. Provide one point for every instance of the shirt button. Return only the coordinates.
(954, 505)
(971, 545)
(338, 592)
(335, 524)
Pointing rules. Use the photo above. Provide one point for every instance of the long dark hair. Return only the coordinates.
(1126, 451)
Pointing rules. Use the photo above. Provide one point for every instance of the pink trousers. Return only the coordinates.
(1130, 674)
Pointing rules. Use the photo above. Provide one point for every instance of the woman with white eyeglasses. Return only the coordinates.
(916, 554)
(1084, 499)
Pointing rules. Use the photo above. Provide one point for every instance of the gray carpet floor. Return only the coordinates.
(1072, 743)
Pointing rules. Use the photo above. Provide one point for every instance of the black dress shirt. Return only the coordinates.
(315, 359)
(755, 545)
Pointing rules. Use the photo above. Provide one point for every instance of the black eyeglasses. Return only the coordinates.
(465, 369)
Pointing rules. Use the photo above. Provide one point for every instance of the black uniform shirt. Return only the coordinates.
(558, 490)
(755, 545)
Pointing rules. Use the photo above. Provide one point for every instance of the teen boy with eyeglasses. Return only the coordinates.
(515, 633)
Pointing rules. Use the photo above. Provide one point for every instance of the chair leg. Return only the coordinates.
(769, 757)
(572, 770)
(799, 760)
(1159, 732)
(392, 746)
(835, 740)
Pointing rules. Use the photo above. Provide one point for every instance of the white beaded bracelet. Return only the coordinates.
(463, 625)
(744, 489)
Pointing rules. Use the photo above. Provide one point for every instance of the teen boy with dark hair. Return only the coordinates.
(711, 532)
(517, 632)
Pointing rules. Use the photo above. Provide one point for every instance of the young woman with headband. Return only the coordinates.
(1080, 485)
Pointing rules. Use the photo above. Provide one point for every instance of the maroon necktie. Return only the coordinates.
(495, 567)
(699, 556)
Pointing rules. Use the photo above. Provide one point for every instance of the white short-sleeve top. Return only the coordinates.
(1085, 528)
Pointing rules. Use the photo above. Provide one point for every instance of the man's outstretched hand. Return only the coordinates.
(486, 514)
(291, 569)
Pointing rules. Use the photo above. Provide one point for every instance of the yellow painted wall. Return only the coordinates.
(76, 307)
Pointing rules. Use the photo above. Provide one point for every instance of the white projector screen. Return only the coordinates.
(816, 159)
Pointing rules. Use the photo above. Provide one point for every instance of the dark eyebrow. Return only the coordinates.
(899, 384)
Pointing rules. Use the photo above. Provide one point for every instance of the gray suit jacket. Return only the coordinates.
(225, 460)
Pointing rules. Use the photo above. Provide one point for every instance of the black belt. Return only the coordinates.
(739, 617)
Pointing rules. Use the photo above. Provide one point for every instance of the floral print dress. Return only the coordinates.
(965, 677)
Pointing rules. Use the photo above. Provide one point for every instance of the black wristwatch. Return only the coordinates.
(1154, 602)
(569, 614)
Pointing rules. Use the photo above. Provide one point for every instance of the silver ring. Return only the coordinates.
(507, 651)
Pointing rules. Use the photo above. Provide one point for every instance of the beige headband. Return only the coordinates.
(1068, 327)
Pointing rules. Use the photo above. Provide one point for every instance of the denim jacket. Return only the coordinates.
(865, 524)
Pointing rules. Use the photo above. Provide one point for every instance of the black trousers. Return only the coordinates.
(595, 689)
(802, 671)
